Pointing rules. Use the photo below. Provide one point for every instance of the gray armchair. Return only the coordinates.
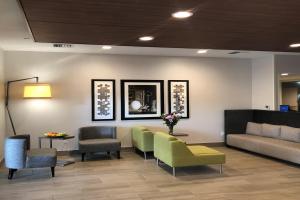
(98, 139)
(18, 155)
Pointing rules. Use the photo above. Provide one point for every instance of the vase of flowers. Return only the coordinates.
(171, 120)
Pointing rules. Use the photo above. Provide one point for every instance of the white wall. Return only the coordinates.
(263, 83)
(288, 64)
(215, 84)
(2, 106)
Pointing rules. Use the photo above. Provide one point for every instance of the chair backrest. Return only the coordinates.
(24, 136)
(97, 132)
(142, 138)
(15, 151)
(168, 148)
(136, 133)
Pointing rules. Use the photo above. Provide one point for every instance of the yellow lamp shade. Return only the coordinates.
(37, 90)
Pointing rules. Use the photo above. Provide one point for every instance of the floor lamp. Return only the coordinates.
(33, 91)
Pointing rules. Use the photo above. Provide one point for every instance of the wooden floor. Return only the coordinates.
(246, 176)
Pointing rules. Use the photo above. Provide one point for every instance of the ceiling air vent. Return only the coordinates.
(61, 45)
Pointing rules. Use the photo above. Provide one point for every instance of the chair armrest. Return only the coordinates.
(15, 153)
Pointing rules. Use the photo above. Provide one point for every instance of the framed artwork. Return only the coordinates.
(142, 99)
(178, 95)
(103, 99)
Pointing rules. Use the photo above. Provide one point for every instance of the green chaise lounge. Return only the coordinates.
(142, 139)
(175, 153)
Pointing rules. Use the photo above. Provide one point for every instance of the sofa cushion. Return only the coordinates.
(277, 148)
(45, 157)
(99, 145)
(254, 128)
(290, 134)
(269, 130)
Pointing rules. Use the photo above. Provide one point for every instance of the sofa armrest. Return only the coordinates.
(236, 121)
(147, 140)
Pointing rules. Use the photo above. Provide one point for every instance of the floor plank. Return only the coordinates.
(246, 176)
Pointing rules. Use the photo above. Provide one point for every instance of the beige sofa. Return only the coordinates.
(282, 142)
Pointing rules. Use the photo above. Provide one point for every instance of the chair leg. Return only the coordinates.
(221, 169)
(174, 171)
(118, 154)
(145, 155)
(11, 173)
(53, 171)
(157, 161)
(82, 157)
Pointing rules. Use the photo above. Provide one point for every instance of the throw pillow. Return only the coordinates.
(290, 134)
(254, 128)
(269, 130)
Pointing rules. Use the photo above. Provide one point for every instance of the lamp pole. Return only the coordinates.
(7, 98)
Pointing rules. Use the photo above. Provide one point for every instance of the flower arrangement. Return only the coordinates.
(171, 120)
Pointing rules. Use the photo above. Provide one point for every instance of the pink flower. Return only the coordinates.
(169, 117)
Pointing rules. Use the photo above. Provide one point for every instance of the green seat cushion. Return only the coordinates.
(200, 155)
(198, 150)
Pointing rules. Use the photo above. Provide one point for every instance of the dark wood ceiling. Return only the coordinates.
(262, 25)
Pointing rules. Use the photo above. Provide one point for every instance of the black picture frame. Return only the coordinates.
(113, 100)
(186, 114)
(159, 98)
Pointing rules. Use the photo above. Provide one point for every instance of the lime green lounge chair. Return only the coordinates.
(142, 139)
(176, 153)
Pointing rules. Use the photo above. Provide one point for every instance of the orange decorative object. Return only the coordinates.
(55, 134)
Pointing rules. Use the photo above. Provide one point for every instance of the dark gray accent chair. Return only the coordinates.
(94, 139)
(18, 155)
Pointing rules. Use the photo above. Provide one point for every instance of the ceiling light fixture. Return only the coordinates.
(146, 38)
(284, 74)
(106, 47)
(200, 51)
(295, 45)
(182, 14)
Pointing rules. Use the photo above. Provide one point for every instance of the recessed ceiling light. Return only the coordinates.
(106, 47)
(295, 45)
(146, 38)
(202, 51)
(182, 14)
(284, 74)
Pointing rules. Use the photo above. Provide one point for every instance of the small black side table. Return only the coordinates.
(53, 138)
(59, 162)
